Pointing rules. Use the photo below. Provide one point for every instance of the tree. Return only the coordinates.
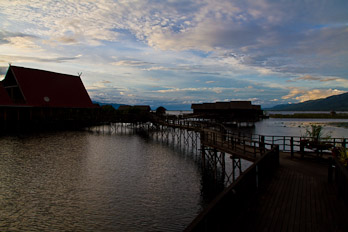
(160, 111)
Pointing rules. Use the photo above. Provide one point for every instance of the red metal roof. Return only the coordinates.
(5, 100)
(44, 88)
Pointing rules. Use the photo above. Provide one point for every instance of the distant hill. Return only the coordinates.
(336, 103)
(168, 107)
(115, 105)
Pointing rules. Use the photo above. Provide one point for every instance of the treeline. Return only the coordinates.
(311, 115)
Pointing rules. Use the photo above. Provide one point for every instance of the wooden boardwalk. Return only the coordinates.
(298, 198)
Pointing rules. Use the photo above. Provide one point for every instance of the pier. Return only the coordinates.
(288, 187)
(272, 183)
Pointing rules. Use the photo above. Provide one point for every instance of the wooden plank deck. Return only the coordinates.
(298, 198)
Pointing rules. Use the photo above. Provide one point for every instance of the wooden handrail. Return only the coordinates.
(228, 204)
(341, 179)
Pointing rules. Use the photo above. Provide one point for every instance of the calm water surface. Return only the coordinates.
(297, 127)
(81, 181)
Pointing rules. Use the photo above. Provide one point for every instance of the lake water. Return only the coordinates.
(83, 181)
(297, 127)
(292, 126)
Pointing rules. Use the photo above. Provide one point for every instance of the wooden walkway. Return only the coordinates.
(298, 198)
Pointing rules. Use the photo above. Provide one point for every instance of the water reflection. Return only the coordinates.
(89, 182)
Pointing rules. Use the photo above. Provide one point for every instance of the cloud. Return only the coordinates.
(173, 43)
(176, 90)
(302, 95)
(99, 85)
(131, 63)
(201, 89)
(3, 70)
(19, 40)
(106, 82)
(321, 79)
(261, 31)
(18, 59)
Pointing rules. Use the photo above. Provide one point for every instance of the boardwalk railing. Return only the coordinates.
(229, 204)
(245, 148)
(290, 144)
(341, 179)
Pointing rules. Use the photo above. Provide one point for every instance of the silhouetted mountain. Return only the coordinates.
(336, 103)
(115, 105)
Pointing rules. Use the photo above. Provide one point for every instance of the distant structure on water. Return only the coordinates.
(233, 112)
(141, 108)
(30, 98)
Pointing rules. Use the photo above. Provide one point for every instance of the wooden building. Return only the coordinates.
(32, 97)
(229, 112)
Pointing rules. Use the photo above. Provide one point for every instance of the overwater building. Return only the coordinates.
(235, 112)
(31, 97)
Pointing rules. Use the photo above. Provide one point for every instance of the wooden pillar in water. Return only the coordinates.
(202, 149)
(236, 163)
(292, 147)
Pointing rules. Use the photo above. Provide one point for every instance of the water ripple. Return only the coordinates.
(78, 181)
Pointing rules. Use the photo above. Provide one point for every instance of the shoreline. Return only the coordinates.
(311, 115)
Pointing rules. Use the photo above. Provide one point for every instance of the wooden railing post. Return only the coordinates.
(302, 144)
(292, 147)
(330, 170)
(284, 143)
(344, 143)
(262, 143)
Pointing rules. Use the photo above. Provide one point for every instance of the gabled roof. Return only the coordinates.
(5, 100)
(44, 88)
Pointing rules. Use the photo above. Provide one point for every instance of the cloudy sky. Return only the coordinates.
(177, 52)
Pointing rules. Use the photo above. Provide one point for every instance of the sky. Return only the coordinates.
(173, 53)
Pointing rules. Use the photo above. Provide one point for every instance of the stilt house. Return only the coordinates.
(31, 95)
(233, 111)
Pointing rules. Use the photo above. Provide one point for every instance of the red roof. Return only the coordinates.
(5, 100)
(44, 88)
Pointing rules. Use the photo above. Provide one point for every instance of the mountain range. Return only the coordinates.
(332, 103)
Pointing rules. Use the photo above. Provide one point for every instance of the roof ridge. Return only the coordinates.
(41, 70)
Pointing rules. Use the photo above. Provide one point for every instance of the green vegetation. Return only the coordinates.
(310, 115)
(315, 133)
(342, 154)
(339, 124)
(315, 139)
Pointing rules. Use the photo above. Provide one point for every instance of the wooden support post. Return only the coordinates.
(302, 145)
(223, 164)
(236, 163)
(203, 156)
(292, 147)
(284, 143)
(215, 164)
(244, 148)
(330, 170)
(202, 150)
(262, 144)
(344, 143)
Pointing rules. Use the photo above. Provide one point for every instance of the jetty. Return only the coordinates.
(298, 196)
(291, 184)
